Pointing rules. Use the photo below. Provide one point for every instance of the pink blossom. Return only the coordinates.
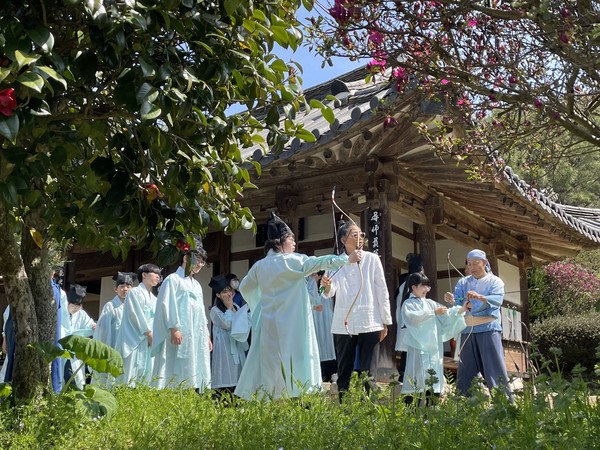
(376, 66)
(512, 79)
(398, 72)
(444, 81)
(376, 38)
(472, 23)
(389, 122)
(538, 103)
(563, 37)
(565, 13)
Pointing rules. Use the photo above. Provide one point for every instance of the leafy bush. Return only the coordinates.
(577, 336)
(562, 287)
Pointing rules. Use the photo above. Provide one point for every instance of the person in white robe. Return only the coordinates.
(362, 308)
(182, 343)
(74, 322)
(283, 360)
(322, 311)
(428, 325)
(134, 337)
(110, 319)
(229, 355)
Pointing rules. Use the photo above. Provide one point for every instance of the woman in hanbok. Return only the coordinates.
(182, 343)
(134, 338)
(428, 325)
(74, 322)
(283, 360)
(362, 307)
(229, 355)
(110, 319)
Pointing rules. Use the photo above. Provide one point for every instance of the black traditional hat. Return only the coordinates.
(276, 227)
(218, 283)
(76, 294)
(415, 264)
(124, 278)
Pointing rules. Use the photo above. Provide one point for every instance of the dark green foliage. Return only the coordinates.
(537, 283)
(577, 336)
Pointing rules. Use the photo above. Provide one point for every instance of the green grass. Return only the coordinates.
(150, 419)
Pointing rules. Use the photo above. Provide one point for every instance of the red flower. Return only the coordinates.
(182, 245)
(8, 102)
(152, 192)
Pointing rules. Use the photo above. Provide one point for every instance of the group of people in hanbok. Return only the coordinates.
(309, 316)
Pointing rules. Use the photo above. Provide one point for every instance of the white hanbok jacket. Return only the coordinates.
(132, 341)
(106, 332)
(424, 340)
(180, 304)
(228, 355)
(283, 360)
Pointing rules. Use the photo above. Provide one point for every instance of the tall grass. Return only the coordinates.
(550, 413)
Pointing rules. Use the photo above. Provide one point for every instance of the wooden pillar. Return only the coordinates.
(524, 263)
(426, 237)
(378, 224)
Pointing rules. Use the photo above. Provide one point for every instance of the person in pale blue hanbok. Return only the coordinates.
(134, 337)
(74, 322)
(110, 319)
(283, 360)
(182, 343)
(428, 325)
(322, 312)
(229, 355)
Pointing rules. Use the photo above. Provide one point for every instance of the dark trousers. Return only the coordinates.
(345, 350)
(482, 353)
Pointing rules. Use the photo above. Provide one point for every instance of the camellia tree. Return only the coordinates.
(115, 132)
(517, 75)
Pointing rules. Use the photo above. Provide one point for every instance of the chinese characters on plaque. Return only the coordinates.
(374, 228)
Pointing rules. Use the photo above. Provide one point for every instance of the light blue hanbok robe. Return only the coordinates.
(424, 339)
(77, 324)
(181, 304)
(132, 341)
(228, 355)
(284, 358)
(322, 320)
(106, 332)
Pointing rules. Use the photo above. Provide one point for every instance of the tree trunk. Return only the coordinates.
(37, 266)
(26, 375)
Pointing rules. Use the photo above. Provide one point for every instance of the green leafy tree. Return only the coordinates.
(516, 75)
(114, 132)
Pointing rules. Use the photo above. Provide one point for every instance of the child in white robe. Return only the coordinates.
(428, 325)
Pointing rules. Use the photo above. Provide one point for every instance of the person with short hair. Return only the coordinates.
(481, 350)
(75, 322)
(110, 319)
(182, 343)
(283, 360)
(134, 338)
(428, 325)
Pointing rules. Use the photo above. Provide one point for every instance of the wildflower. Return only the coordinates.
(389, 122)
(8, 102)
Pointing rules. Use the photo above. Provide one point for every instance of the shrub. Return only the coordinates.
(576, 335)
(562, 287)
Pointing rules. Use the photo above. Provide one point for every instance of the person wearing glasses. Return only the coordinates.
(362, 307)
(182, 343)
(134, 337)
(428, 325)
(283, 360)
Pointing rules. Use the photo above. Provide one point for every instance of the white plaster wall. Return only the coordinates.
(510, 276)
